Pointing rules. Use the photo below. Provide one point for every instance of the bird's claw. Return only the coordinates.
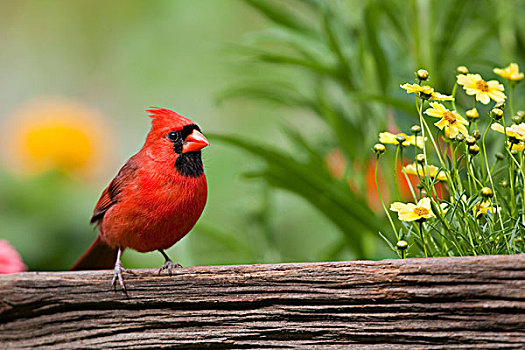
(117, 275)
(169, 265)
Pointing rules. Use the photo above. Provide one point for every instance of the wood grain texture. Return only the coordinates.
(438, 303)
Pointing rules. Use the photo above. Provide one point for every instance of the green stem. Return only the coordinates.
(382, 202)
(522, 172)
(441, 161)
(423, 238)
(513, 208)
(396, 177)
(454, 95)
(490, 179)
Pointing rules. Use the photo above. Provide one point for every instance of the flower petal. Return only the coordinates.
(482, 97)
(425, 203)
(387, 137)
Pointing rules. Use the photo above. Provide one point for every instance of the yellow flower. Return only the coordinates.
(451, 119)
(484, 208)
(519, 147)
(421, 170)
(516, 131)
(53, 133)
(446, 133)
(426, 91)
(472, 113)
(389, 138)
(414, 212)
(484, 90)
(511, 72)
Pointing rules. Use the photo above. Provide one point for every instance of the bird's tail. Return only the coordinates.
(98, 257)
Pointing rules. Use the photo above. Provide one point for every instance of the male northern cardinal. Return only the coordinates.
(155, 199)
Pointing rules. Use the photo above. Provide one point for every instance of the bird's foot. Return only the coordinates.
(169, 265)
(117, 275)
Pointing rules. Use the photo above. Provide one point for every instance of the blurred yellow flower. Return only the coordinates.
(57, 134)
(414, 212)
(412, 140)
(516, 131)
(426, 91)
(421, 170)
(484, 90)
(511, 72)
(451, 119)
(484, 208)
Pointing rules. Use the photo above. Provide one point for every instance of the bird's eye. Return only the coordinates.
(174, 136)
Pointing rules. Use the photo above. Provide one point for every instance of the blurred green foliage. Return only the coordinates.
(119, 58)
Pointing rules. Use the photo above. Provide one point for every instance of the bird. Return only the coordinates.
(155, 199)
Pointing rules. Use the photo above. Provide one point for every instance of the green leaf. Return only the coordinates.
(331, 197)
(372, 33)
(279, 15)
(231, 242)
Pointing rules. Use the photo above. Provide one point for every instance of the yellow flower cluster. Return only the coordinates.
(394, 139)
(421, 170)
(426, 92)
(458, 168)
(450, 119)
(415, 212)
(516, 131)
(511, 72)
(484, 208)
(516, 134)
(484, 90)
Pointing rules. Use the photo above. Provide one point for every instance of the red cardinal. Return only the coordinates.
(155, 199)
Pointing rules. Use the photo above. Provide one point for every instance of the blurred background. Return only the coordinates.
(292, 95)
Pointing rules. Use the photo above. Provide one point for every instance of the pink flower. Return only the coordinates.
(10, 260)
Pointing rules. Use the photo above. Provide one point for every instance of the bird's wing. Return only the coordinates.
(110, 196)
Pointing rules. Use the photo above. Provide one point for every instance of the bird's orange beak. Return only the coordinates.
(194, 142)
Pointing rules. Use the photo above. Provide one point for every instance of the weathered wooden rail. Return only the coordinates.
(439, 303)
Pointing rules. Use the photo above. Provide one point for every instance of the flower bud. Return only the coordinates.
(486, 192)
(476, 134)
(422, 74)
(472, 114)
(516, 119)
(402, 245)
(496, 113)
(462, 70)
(504, 183)
(521, 114)
(460, 137)
(401, 138)
(420, 158)
(500, 105)
(470, 140)
(379, 148)
(473, 149)
(415, 129)
(499, 156)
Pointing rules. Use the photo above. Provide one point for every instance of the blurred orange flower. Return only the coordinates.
(336, 164)
(54, 133)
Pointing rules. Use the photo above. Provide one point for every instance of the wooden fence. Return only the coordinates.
(438, 303)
